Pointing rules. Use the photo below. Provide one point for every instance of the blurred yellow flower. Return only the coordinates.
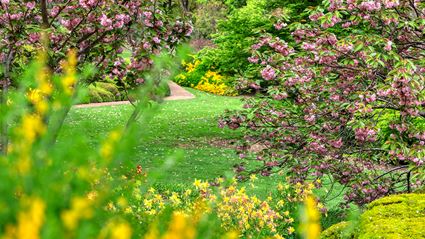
(80, 209)
(310, 224)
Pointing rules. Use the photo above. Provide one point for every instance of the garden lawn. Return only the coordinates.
(187, 131)
(184, 127)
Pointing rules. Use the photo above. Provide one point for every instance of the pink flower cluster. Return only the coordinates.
(370, 6)
(365, 134)
(268, 73)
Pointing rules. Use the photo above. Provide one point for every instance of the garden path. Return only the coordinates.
(176, 93)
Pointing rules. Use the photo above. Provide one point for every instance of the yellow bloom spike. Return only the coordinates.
(30, 220)
(70, 78)
(310, 226)
(80, 209)
(180, 227)
(121, 231)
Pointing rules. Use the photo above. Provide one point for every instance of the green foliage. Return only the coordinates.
(235, 4)
(206, 17)
(397, 216)
(99, 94)
(235, 37)
(335, 231)
(238, 32)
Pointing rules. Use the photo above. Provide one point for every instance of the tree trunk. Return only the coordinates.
(185, 5)
(4, 134)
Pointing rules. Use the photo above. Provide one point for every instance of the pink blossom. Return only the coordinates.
(156, 40)
(337, 143)
(253, 59)
(159, 23)
(391, 3)
(308, 46)
(316, 16)
(388, 46)
(370, 6)
(365, 134)
(268, 73)
(147, 46)
(29, 5)
(279, 25)
(148, 15)
(105, 21)
(34, 37)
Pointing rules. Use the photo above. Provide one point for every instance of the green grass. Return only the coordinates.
(183, 126)
(188, 126)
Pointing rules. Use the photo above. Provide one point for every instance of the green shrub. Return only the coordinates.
(98, 94)
(111, 88)
(398, 216)
(336, 231)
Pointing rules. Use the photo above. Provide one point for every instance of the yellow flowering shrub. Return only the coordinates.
(232, 205)
(214, 83)
(197, 77)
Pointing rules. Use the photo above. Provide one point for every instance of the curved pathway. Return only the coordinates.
(176, 93)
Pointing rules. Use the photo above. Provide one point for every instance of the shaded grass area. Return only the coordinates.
(187, 128)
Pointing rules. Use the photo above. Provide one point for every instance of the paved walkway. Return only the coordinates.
(176, 93)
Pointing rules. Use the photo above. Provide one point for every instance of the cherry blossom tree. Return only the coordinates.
(101, 30)
(345, 99)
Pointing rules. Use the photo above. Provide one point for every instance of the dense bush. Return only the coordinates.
(398, 216)
(345, 101)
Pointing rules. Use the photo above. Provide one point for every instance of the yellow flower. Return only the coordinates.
(291, 230)
(151, 190)
(231, 235)
(121, 231)
(31, 221)
(187, 192)
(147, 203)
(116, 230)
(80, 209)
(280, 203)
(107, 147)
(253, 177)
(92, 195)
(32, 126)
(175, 199)
(197, 183)
(70, 78)
(310, 225)
(180, 227)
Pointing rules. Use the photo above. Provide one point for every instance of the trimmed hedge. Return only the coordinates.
(397, 216)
